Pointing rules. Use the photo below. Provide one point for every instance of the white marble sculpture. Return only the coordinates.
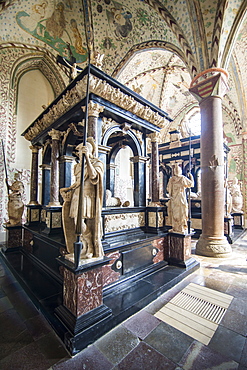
(237, 198)
(91, 203)
(178, 205)
(112, 201)
(15, 203)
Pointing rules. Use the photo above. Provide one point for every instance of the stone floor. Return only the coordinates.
(141, 342)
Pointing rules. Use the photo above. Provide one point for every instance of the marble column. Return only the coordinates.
(139, 180)
(46, 183)
(154, 167)
(54, 185)
(94, 109)
(34, 175)
(103, 152)
(209, 87)
(244, 188)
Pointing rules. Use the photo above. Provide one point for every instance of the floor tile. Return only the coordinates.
(27, 358)
(145, 357)
(165, 339)
(5, 304)
(235, 321)
(89, 359)
(228, 343)
(201, 357)
(141, 324)
(117, 344)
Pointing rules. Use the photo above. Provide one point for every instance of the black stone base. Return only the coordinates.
(183, 264)
(120, 300)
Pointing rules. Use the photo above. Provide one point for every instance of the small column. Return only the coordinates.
(139, 180)
(34, 175)
(46, 183)
(243, 223)
(54, 186)
(103, 152)
(53, 218)
(33, 207)
(155, 197)
(65, 164)
(94, 109)
(209, 87)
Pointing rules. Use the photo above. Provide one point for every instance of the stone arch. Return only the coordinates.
(44, 64)
(145, 46)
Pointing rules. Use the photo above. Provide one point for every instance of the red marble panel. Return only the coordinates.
(109, 275)
(27, 241)
(83, 292)
(159, 244)
(14, 237)
(180, 247)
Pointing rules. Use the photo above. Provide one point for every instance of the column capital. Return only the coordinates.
(155, 137)
(139, 159)
(35, 148)
(94, 109)
(211, 82)
(55, 134)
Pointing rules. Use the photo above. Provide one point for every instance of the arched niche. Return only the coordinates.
(116, 139)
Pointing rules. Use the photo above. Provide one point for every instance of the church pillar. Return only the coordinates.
(209, 87)
(34, 175)
(154, 167)
(94, 109)
(54, 186)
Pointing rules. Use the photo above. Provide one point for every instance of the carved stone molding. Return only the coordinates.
(102, 89)
(94, 109)
(124, 221)
(155, 137)
(55, 134)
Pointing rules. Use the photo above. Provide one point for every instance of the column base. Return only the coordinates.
(213, 247)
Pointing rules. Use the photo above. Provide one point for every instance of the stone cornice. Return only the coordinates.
(100, 88)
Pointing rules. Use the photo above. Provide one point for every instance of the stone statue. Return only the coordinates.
(237, 198)
(112, 201)
(15, 203)
(228, 198)
(177, 205)
(91, 203)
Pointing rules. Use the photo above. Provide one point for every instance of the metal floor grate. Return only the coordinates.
(196, 311)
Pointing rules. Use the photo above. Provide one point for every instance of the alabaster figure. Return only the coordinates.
(15, 203)
(228, 200)
(178, 205)
(112, 201)
(91, 203)
(237, 198)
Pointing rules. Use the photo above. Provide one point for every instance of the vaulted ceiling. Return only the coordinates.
(154, 47)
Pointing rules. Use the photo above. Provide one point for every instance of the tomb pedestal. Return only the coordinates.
(33, 214)
(179, 249)
(82, 307)
(53, 220)
(13, 238)
(238, 220)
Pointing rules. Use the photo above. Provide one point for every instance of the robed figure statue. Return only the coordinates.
(178, 205)
(15, 203)
(91, 203)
